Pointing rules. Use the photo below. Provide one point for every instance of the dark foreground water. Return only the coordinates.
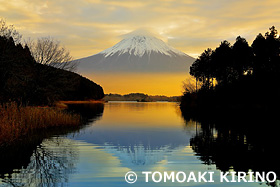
(123, 137)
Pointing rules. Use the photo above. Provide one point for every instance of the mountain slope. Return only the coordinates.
(139, 45)
(137, 53)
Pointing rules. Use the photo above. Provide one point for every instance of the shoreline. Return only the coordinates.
(81, 102)
(19, 122)
(64, 104)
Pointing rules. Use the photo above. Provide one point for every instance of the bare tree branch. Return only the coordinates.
(49, 52)
(9, 31)
(191, 85)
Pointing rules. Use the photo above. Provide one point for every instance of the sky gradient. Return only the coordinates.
(86, 27)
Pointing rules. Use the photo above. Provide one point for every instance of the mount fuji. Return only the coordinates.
(137, 52)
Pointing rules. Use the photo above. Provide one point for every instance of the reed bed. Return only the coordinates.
(18, 121)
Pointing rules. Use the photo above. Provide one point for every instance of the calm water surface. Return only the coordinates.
(126, 136)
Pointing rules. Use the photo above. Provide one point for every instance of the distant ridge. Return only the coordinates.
(140, 97)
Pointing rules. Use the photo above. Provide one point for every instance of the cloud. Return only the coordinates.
(86, 27)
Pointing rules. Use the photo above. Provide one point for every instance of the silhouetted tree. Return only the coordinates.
(267, 50)
(273, 49)
(222, 63)
(49, 52)
(9, 31)
(191, 85)
(202, 69)
(242, 57)
(260, 55)
(247, 75)
(27, 82)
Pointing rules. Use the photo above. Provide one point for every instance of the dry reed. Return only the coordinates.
(18, 121)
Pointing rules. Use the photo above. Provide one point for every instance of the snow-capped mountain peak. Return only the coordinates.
(137, 52)
(138, 45)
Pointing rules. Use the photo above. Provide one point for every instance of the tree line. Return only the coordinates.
(39, 76)
(239, 72)
(229, 63)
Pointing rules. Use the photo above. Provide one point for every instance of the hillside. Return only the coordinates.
(27, 82)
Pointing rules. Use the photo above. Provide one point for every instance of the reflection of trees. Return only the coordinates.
(50, 164)
(225, 148)
(89, 112)
(42, 159)
(241, 142)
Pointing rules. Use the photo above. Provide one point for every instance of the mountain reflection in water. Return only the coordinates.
(138, 133)
(120, 137)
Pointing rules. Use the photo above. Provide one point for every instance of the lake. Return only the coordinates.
(119, 137)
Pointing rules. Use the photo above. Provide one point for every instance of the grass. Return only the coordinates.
(16, 122)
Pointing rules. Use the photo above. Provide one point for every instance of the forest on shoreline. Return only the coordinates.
(25, 81)
(237, 76)
(40, 76)
(32, 82)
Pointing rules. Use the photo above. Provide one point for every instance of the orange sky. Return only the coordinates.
(169, 84)
(86, 27)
